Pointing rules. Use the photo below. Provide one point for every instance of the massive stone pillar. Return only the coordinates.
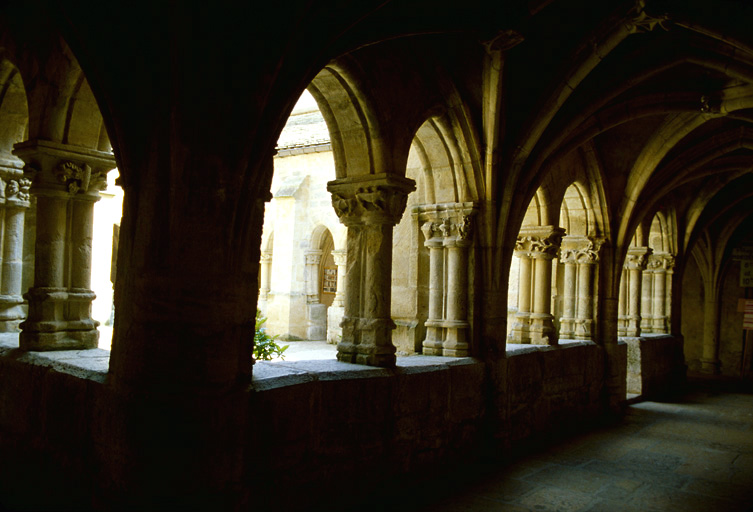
(14, 201)
(369, 206)
(543, 244)
(66, 181)
(635, 263)
(710, 354)
(432, 345)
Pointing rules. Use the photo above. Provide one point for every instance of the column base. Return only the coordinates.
(567, 328)
(622, 322)
(710, 366)
(59, 340)
(542, 329)
(660, 325)
(12, 313)
(375, 347)
(346, 348)
(633, 328)
(583, 329)
(432, 345)
(455, 345)
(520, 332)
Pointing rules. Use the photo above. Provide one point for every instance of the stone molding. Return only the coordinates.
(313, 257)
(63, 168)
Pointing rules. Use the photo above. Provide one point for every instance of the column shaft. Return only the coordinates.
(585, 301)
(647, 301)
(521, 330)
(567, 324)
(634, 298)
(622, 304)
(660, 318)
(456, 344)
(432, 345)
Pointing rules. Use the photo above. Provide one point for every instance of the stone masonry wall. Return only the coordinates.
(326, 428)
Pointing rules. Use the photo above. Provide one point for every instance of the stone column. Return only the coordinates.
(669, 265)
(587, 259)
(316, 328)
(622, 305)
(567, 321)
(66, 181)
(340, 258)
(647, 298)
(266, 278)
(14, 198)
(544, 244)
(659, 321)
(521, 330)
(635, 263)
(336, 310)
(457, 240)
(313, 260)
(369, 206)
(432, 345)
(710, 354)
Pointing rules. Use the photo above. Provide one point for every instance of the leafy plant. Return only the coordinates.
(265, 347)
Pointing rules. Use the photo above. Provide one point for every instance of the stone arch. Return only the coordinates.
(576, 212)
(353, 128)
(14, 111)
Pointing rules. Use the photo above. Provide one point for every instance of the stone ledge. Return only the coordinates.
(92, 364)
(277, 374)
(517, 349)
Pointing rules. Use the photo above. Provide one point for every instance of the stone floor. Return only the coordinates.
(692, 454)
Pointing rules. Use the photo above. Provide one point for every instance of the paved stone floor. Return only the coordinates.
(690, 454)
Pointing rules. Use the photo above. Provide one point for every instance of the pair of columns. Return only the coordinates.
(66, 181)
(645, 290)
(579, 256)
(536, 248)
(370, 206)
(14, 202)
(447, 235)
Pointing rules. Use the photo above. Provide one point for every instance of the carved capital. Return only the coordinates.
(590, 253)
(18, 190)
(313, 257)
(540, 241)
(569, 256)
(370, 200)
(266, 257)
(637, 258)
(340, 257)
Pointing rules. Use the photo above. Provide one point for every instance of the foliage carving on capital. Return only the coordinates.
(75, 177)
(635, 262)
(266, 257)
(375, 199)
(669, 262)
(589, 254)
(18, 189)
(430, 229)
(464, 228)
(569, 256)
(655, 262)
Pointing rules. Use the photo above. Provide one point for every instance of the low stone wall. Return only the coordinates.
(316, 430)
(655, 364)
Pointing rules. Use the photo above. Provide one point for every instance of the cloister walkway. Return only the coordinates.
(692, 453)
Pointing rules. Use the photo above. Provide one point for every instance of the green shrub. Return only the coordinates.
(265, 348)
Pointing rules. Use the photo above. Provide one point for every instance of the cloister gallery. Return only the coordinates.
(509, 216)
